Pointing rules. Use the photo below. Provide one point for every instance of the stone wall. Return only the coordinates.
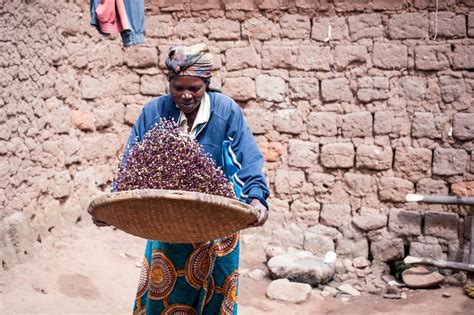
(354, 104)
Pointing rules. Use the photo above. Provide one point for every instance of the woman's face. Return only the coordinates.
(187, 92)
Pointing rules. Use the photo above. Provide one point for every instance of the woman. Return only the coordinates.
(200, 278)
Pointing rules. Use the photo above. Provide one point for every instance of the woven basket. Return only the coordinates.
(173, 216)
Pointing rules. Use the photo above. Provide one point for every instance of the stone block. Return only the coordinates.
(322, 124)
(414, 88)
(424, 126)
(131, 113)
(295, 26)
(394, 189)
(259, 120)
(241, 58)
(270, 88)
(442, 225)
(370, 219)
(433, 251)
(463, 57)
(277, 56)
(335, 215)
(159, 26)
(313, 57)
(153, 85)
(452, 89)
(358, 185)
(358, 124)
(72, 151)
(302, 154)
(304, 88)
(432, 57)
(141, 57)
(350, 248)
(223, 29)
(91, 87)
(288, 121)
(372, 89)
(346, 55)
(271, 151)
(200, 5)
(192, 28)
(374, 157)
(384, 5)
(329, 28)
(470, 24)
(240, 89)
(450, 25)
(60, 185)
(317, 244)
(394, 124)
(336, 90)
(408, 26)
(288, 182)
(307, 213)
(365, 26)
(404, 223)
(278, 205)
(413, 163)
(292, 292)
(322, 182)
(337, 155)
(259, 28)
(463, 189)
(449, 161)
(463, 126)
(244, 5)
(390, 56)
(387, 249)
(272, 4)
(428, 186)
(82, 120)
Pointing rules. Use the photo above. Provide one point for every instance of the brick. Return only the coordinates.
(346, 55)
(408, 26)
(199, 5)
(463, 189)
(159, 26)
(463, 58)
(241, 58)
(428, 186)
(358, 185)
(295, 26)
(320, 29)
(433, 251)
(463, 126)
(322, 124)
(355, 5)
(365, 26)
(224, 29)
(387, 249)
(271, 151)
(452, 89)
(288, 121)
(288, 182)
(302, 153)
(272, 4)
(450, 25)
(404, 223)
(432, 57)
(372, 89)
(91, 88)
(357, 124)
(350, 248)
(392, 124)
(313, 57)
(240, 89)
(384, 5)
(321, 182)
(193, 28)
(244, 5)
(337, 155)
(335, 215)
(321, 5)
(413, 88)
(153, 85)
(259, 120)
(131, 113)
(394, 189)
(449, 161)
(373, 157)
(270, 88)
(274, 56)
(304, 88)
(443, 225)
(413, 163)
(390, 56)
(82, 120)
(337, 89)
(470, 24)
(319, 245)
(307, 213)
(423, 4)
(370, 219)
(141, 57)
(259, 28)
(424, 126)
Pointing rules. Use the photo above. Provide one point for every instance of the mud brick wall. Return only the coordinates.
(354, 104)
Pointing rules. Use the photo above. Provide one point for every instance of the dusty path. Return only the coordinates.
(86, 270)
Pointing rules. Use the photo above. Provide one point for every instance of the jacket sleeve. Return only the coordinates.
(243, 161)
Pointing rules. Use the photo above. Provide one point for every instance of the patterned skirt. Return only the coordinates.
(190, 279)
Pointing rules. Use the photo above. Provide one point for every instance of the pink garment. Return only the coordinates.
(112, 16)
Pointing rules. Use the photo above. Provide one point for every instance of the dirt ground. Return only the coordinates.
(87, 270)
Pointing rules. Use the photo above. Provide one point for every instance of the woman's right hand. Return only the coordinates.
(99, 223)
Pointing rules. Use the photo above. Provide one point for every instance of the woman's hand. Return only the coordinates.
(263, 212)
(99, 223)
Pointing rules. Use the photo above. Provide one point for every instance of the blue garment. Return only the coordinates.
(201, 278)
(135, 10)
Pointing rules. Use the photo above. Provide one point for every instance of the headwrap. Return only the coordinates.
(193, 61)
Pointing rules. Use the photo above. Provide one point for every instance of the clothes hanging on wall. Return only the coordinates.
(126, 17)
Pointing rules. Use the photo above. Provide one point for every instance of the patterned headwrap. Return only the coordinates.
(193, 61)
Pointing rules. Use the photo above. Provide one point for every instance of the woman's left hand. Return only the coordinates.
(263, 212)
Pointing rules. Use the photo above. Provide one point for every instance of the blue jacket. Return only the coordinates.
(226, 137)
